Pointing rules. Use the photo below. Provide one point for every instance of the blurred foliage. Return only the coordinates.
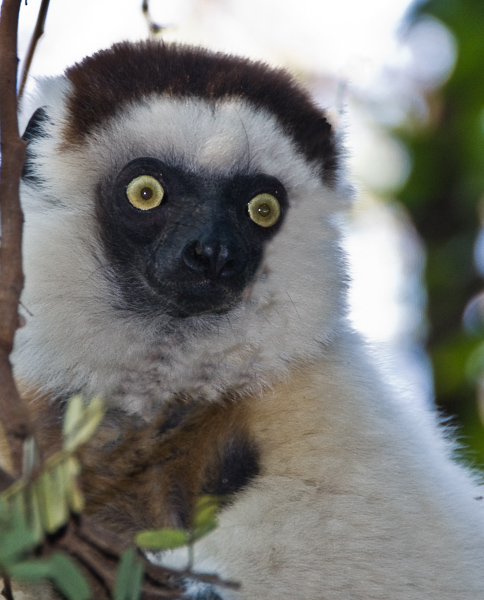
(445, 194)
(41, 503)
(36, 507)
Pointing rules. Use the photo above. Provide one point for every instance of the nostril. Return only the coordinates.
(213, 259)
(193, 257)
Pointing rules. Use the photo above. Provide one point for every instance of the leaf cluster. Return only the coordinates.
(38, 505)
(35, 508)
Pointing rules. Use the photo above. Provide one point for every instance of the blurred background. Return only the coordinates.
(404, 82)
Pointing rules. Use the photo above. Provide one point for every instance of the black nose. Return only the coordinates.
(214, 258)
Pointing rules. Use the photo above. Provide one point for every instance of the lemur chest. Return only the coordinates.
(138, 475)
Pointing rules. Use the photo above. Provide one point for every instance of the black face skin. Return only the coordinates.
(197, 251)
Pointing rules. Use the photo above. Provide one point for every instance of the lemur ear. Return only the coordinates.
(35, 130)
(35, 127)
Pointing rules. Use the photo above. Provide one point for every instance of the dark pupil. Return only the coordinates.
(264, 210)
(146, 193)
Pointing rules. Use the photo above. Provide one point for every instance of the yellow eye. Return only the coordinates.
(145, 192)
(264, 210)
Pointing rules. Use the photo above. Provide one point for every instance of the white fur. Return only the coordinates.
(358, 496)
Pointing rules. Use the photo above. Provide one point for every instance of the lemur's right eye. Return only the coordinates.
(145, 192)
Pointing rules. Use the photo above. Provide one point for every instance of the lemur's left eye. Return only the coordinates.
(145, 192)
(264, 210)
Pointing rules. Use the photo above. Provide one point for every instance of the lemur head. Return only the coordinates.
(180, 234)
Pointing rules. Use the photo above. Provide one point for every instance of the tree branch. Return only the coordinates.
(15, 417)
(7, 588)
(37, 34)
(153, 28)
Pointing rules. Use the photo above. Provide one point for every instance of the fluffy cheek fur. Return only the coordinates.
(77, 337)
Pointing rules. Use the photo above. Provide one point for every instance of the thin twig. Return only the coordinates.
(99, 550)
(15, 417)
(7, 588)
(153, 27)
(36, 35)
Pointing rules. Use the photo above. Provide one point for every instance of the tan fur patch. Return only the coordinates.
(138, 475)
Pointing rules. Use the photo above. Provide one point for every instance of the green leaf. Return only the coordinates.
(59, 569)
(82, 421)
(162, 539)
(14, 544)
(204, 521)
(72, 416)
(129, 577)
(4, 513)
(16, 538)
(205, 512)
(30, 570)
(124, 573)
(50, 490)
(34, 515)
(74, 494)
(137, 574)
(68, 578)
(18, 510)
(200, 532)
